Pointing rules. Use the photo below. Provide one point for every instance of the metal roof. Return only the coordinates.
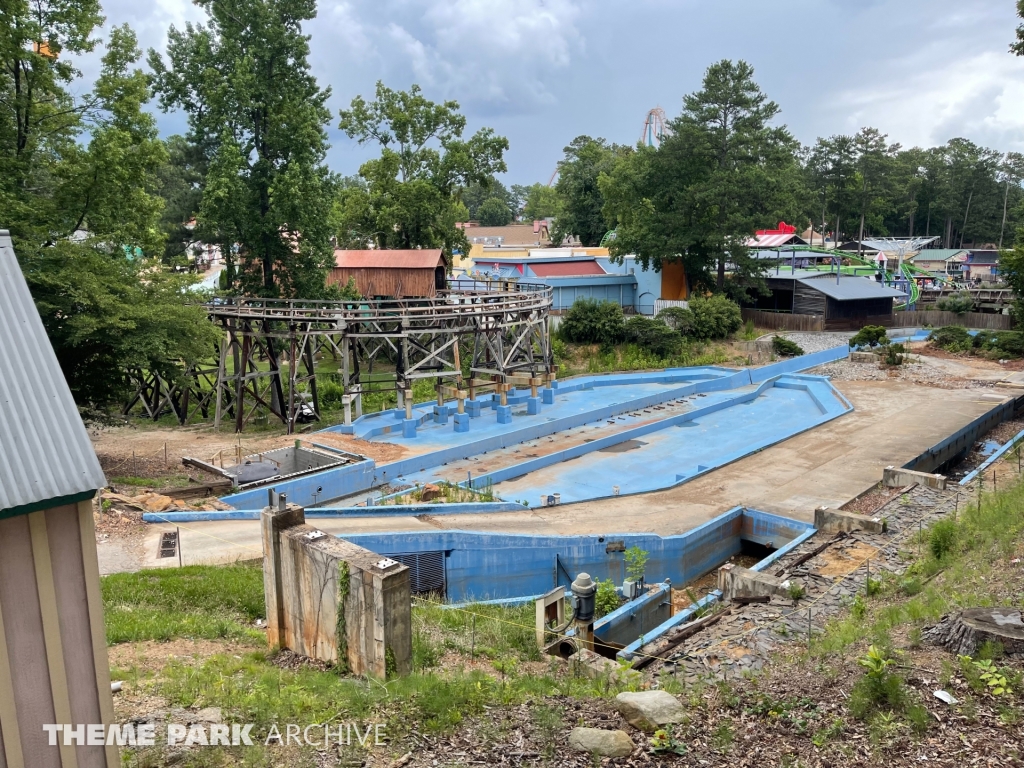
(45, 452)
(426, 258)
(567, 268)
(850, 288)
(938, 254)
(774, 241)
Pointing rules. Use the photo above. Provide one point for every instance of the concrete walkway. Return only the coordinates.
(892, 423)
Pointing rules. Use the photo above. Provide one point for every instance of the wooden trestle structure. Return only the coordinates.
(267, 359)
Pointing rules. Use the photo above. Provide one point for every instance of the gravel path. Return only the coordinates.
(817, 342)
(915, 373)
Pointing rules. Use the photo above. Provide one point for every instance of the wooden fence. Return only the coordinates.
(783, 321)
(937, 319)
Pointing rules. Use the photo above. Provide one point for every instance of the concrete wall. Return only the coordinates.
(489, 566)
(964, 438)
(53, 650)
(331, 600)
(636, 618)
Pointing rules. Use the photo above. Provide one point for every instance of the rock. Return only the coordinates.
(430, 492)
(649, 710)
(603, 743)
(208, 715)
(154, 502)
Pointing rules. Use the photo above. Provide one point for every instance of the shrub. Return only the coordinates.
(960, 304)
(878, 688)
(679, 318)
(607, 599)
(589, 321)
(786, 348)
(636, 562)
(1000, 344)
(869, 336)
(942, 538)
(714, 317)
(952, 338)
(653, 336)
(894, 354)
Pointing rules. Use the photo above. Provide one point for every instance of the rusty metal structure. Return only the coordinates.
(267, 361)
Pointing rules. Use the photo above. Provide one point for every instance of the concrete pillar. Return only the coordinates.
(504, 414)
(461, 422)
(533, 405)
(409, 427)
(333, 601)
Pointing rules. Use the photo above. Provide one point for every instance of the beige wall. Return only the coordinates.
(53, 656)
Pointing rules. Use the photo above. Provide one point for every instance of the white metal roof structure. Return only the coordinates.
(46, 457)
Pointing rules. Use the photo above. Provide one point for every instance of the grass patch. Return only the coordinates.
(197, 601)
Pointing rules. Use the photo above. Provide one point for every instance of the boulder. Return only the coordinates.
(431, 492)
(208, 715)
(649, 710)
(604, 743)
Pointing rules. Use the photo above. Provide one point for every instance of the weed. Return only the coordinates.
(879, 688)
(873, 587)
(636, 563)
(942, 538)
(548, 721)
(607, 598)
(664, 742)
(723, 737)
(914, 637)
(796, 591)
(919, 718)
(885, 727)
(827, 734)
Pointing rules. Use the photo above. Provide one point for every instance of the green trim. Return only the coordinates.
(59, 501)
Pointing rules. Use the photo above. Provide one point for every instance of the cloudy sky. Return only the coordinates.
(543, 71)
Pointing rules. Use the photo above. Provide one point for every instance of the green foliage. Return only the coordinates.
(412, 193)
(785, 348)
(878, 688)
(653, 335)
(796, 591)
(541, 202)
(1000, 344)
(942, 538)
(724, 172)
(607, 598)
(678, 318)
(984, 675)
(580, 198)
(893, 354)
(636, 562)
(952, 338)
(243, 80)
(589, 321)
(960, 304)
(196, 601)
(664, 742)
(494, 213)
(869, 336)
(715, 317)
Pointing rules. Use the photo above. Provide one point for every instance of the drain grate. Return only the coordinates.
(168, 544)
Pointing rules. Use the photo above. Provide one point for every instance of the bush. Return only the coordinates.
(786, 348)
(678, 318)
(960, 304)
(1001, 344)
(869, 336)
(589, 321)
(952, 338)
(942, 538)
(607, 599)
(653, 336)
(894, 354)
(714, 317)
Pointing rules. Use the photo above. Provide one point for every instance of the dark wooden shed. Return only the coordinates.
(395, 274)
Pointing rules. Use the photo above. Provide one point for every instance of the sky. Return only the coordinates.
(541, 72)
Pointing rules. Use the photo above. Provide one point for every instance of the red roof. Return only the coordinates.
(784, 229)
(567, 268)
(426, 258)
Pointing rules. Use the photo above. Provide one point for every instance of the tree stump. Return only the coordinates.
(963, 633)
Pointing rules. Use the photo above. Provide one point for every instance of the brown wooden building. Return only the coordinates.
(395, 274)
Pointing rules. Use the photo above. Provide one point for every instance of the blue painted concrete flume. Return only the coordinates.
(576, 402)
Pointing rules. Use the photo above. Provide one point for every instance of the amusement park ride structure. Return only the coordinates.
(267, 360)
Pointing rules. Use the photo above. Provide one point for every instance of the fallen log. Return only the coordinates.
(963, 633)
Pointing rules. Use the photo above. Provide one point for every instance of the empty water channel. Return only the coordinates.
(473, 567)
(639, 432)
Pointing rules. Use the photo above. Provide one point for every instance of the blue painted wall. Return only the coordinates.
(488, 566)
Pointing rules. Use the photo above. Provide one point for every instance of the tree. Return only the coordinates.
(723, 172)
(541, 202)
(413, 190)
(180, 182)
(581, 201)
(874, 164)
(243, 79)
(494, 213)
(477, 193)
(86, 167)
(831, 174)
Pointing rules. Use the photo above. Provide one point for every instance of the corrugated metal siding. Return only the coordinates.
(45, 452)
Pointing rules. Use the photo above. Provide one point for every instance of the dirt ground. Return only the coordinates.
(156, 451)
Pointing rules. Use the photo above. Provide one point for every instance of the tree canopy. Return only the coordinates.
(412, 192)
(581, 200)
(260, 118)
